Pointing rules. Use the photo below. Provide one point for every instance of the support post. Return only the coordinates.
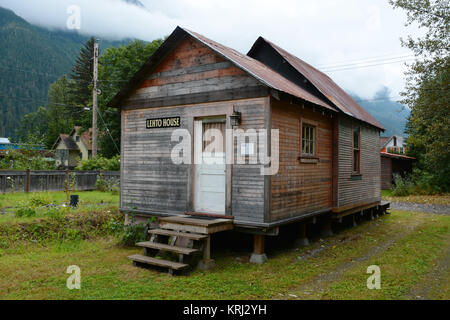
(207, 263)
(27, 181)
(302, 241)
(95, 102)
(258, 256)
(326, 228)
(354, 221)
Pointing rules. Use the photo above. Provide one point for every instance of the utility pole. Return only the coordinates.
(95, 103)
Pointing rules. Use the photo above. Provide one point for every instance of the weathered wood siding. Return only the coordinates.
(152, 183)
(353, 190)
(386, 173)
(193, 73)
(300, 188)
(192, 82)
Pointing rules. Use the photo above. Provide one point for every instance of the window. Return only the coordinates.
(308, 140)
(356, 149)
(77, 138)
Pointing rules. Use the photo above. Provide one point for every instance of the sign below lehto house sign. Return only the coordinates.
(173, 122)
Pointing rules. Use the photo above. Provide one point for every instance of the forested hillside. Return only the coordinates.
(389, 113)
(31, 58)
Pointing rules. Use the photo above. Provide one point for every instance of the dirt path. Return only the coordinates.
(317, 286)
(421, 207)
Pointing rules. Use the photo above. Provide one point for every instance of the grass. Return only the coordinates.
(411, 244)
(86, 197)
(441, 199)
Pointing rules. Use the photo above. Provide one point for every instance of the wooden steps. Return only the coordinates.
(166, 247)
(169, 233)
(185, 236)
(158, 262)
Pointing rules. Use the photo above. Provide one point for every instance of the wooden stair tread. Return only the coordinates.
(163, 232)
(188, 220)
(158, 262)
(166, 247)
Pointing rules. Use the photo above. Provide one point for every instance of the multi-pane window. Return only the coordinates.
(308, 140)
(356, 149)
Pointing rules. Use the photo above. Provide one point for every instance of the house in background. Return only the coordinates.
(71, 148)
(394, 160)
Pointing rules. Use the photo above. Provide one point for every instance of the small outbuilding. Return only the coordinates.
(290, 146)
(394, 160)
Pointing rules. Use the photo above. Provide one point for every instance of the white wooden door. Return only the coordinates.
(210, 166)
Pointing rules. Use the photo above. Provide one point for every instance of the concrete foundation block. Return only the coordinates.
(302, 242)
(206, 265)
(258, 258)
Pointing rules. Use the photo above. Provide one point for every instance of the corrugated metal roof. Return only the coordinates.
(68, 141)
(327, 87)
(260, 71)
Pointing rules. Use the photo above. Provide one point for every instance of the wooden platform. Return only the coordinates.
(201, 225)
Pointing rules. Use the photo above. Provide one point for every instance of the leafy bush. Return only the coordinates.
(402, 186)
(100, 164)
(130, 234)
(39, 200)
(104, 185)
(26, 159)
(24, 212)
(418, 183)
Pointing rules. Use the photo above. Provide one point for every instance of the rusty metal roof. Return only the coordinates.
(260, 71)
(252, 66)
(326, 86)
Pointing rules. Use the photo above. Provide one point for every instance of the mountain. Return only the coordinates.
(31, 58)
(136, 3)
(392, 115)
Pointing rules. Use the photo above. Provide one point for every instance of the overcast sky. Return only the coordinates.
(324, 33)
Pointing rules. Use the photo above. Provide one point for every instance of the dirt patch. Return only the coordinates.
(421, 207)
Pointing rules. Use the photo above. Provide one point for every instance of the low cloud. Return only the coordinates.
(323, 33)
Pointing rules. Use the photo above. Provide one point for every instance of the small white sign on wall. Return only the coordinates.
(247, 149)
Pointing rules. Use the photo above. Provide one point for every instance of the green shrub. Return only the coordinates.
(39, 200)
(100, 164)
(24, 212)
(130, 234)
(104, 185)
(56, 213)
(402, 186)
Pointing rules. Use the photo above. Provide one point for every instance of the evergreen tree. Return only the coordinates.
(427, 91)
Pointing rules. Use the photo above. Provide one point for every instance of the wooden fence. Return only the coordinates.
(36, 181)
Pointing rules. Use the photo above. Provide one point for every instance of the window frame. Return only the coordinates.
(358, 171)
(315, 126)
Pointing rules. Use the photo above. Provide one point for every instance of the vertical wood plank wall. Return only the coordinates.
(386, 173)
(368, 188)
(300, 188)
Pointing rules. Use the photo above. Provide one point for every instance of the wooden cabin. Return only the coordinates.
(326, 160)
(394, 160)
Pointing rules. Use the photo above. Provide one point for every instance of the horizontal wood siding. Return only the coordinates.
(248, 183)
(151, 182)
(193, 71)
(192, 82)
(300, 188)
(367, 187)
(386, 173)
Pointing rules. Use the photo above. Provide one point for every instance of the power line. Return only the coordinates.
(365, 66)
(365, 60)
